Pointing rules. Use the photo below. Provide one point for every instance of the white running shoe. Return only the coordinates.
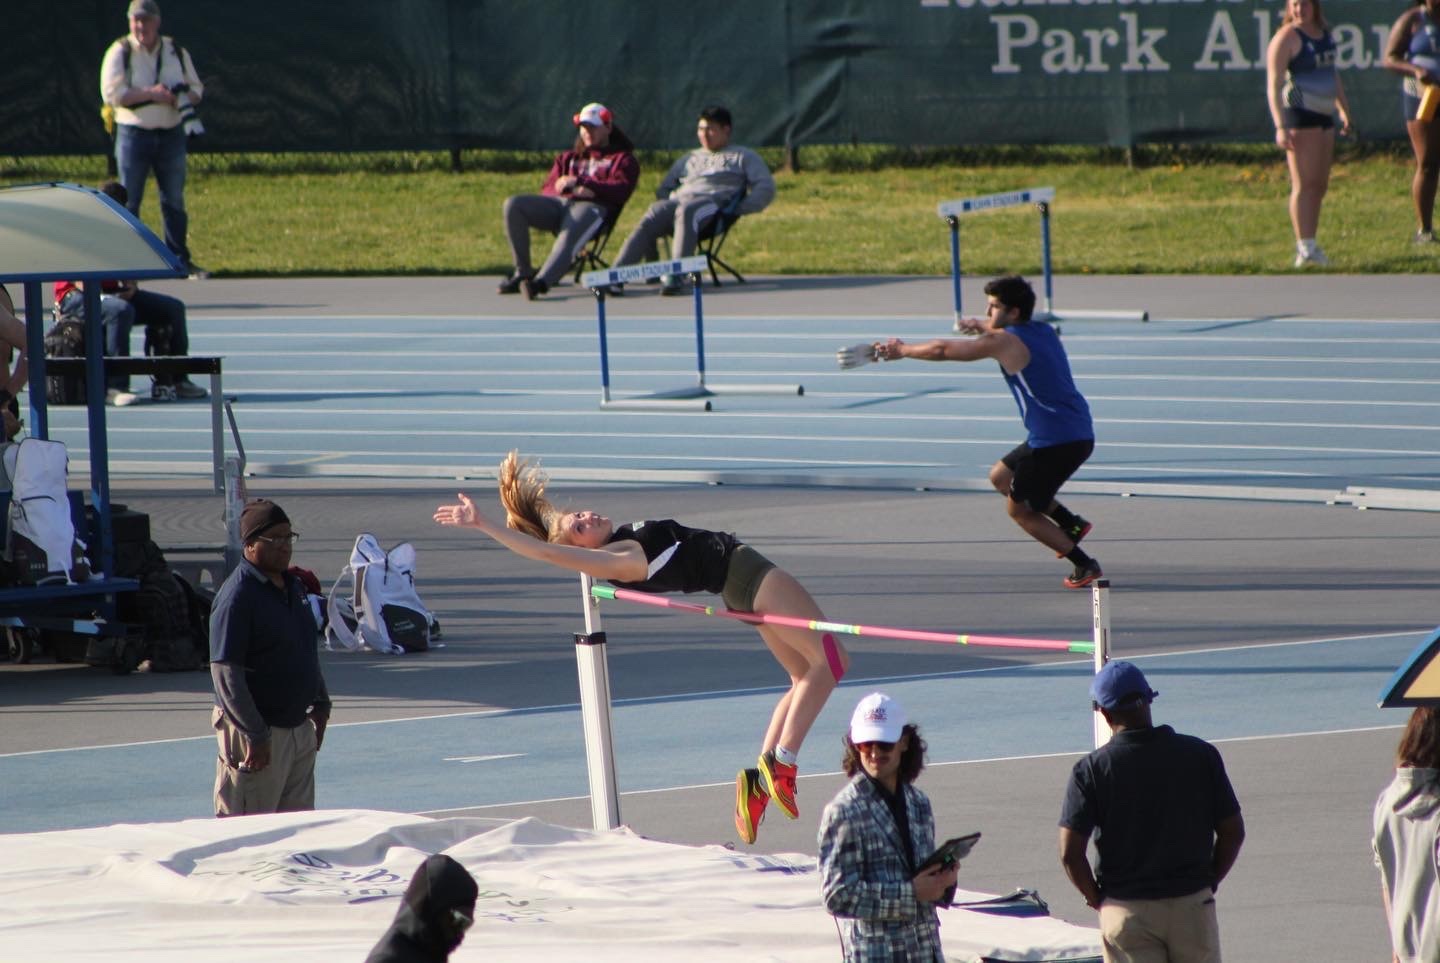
(1315, 258)
(116, 398)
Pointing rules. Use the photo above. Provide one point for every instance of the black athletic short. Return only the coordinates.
(1039, 472)
(1294, 117)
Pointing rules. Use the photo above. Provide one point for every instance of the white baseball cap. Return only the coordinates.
(595, 115)
(878, 718)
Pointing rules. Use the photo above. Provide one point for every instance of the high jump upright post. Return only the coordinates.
(1041, 197)
(1100, 618)
(594, 671)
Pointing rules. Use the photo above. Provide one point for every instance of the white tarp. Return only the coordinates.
(325, 885)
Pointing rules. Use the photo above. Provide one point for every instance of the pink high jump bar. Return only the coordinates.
(875, 631)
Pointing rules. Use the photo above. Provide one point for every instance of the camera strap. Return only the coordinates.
(126, 50)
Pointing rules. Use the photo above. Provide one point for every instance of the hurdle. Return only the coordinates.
(1041, 197)
(691, 398)
(593, 667)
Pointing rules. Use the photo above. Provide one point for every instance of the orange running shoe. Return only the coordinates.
(779, 781)
(750, 802)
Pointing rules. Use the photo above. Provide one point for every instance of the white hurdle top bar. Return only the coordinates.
(643, 272)
(968, 205)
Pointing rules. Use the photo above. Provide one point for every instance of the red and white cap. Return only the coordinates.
(594, 115)
(878, 718)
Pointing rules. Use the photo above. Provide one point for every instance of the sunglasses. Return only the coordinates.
(875, 746)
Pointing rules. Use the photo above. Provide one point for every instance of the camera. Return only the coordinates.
(189, 119)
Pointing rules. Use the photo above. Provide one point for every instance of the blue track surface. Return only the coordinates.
(440, 763)
(1312, 403)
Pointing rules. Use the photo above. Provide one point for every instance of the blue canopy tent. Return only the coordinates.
(1417, 682)
(60, 232)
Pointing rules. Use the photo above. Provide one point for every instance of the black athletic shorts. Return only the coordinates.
(1293, 117)
(1039, 472)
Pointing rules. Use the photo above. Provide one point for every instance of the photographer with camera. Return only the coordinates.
(151, 85)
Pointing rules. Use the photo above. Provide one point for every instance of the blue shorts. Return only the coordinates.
(1410, 104)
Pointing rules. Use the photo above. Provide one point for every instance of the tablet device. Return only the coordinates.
(950, 852)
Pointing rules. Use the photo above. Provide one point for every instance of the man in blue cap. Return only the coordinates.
(1169, 829)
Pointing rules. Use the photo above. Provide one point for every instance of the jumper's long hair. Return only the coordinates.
(522, 492)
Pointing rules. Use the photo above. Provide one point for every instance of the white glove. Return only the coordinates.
(856, 355)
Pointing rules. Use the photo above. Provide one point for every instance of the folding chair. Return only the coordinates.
(591, 256)
(712, 238)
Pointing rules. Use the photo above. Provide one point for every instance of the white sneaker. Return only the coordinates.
(116, 398)
(1424, 237)
(1315, 258)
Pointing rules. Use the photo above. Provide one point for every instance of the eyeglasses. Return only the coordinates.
(290, 539)
(875, 746)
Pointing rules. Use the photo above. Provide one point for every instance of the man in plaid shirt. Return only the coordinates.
(874, 834)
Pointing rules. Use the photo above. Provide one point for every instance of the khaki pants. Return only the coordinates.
(1179, 930)
(286, 785)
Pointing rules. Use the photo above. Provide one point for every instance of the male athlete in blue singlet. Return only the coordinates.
(1060, 434)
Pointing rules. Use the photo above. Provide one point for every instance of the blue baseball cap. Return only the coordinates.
(1119, 683)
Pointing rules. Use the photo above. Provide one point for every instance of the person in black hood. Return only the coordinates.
(439, 907)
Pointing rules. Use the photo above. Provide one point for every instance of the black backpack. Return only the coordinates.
(65, 339)
(162, 607)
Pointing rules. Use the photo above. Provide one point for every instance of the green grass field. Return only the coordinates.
(861, 210)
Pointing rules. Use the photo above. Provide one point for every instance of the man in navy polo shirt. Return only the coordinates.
(1169, 829)
(271, 705)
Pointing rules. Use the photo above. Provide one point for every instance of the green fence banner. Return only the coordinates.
(437, 74)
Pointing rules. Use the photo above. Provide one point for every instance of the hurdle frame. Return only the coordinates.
(593, 668)
(693, 398)
(1041, 197)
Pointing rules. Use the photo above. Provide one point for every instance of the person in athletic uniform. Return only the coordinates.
(1414, 52)
(664, 556)
(1305, 96)
(1060, 435)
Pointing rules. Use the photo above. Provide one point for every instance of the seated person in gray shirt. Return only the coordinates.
(696, 188)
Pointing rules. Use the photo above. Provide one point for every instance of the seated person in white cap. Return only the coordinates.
(587, 186)
(874, 834)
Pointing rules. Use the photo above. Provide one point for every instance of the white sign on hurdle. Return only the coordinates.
(696, 397)
(644, 272)
(986, 202)
(1041, 197)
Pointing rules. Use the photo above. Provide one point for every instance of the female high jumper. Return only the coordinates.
(664, 556)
